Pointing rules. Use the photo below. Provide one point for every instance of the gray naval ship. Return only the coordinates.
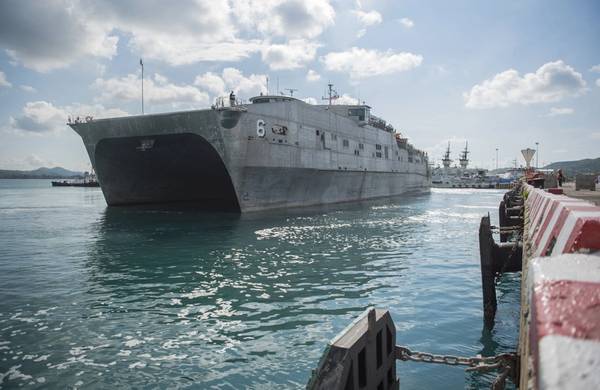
(274, 152)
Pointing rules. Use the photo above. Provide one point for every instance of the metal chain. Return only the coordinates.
(506, 362)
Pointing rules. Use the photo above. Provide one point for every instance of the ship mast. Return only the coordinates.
(464, 160)
(332, 94)
(446, 160)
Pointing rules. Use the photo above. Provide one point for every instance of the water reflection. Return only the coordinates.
(223, 288)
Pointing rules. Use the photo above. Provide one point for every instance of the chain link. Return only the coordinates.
(505, 362)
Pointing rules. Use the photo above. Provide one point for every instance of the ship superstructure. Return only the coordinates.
(276, 151)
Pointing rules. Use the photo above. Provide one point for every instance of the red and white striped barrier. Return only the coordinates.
(564, 324)
(559, 224)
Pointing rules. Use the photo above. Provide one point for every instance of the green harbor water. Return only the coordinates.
(97, 297)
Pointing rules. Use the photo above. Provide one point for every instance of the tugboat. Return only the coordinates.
(89, 180)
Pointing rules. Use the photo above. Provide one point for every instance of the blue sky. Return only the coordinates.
(496, 74)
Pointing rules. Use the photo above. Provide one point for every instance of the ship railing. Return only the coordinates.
(226, 103)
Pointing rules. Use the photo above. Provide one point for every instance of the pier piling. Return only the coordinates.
(488, 275)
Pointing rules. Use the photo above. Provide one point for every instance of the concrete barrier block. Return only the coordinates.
(585, 182)
(564, 333)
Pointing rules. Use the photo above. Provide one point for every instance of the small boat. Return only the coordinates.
(89, 180)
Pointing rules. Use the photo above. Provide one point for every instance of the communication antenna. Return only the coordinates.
(333, 95)
(290, 90)
(142, 65)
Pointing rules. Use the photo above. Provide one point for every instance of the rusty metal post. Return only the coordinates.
(487, 272)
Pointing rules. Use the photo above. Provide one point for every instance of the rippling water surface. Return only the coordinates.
(105, 298)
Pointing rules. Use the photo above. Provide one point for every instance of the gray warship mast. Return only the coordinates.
(464, 159)
(274, 152)
(446, 160)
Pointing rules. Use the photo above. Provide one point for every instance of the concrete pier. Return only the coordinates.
(590, 196)
(559, 339)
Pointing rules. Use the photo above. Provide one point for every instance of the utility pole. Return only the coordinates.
(537, 155)
(496, 158)
(142, 65)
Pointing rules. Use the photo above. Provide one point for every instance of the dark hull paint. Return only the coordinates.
(176, 168)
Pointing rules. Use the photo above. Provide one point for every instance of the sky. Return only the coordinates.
(498, 75)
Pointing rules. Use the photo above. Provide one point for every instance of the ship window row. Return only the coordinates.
(361, 146)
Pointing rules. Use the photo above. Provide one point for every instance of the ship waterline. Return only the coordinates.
(275, 154)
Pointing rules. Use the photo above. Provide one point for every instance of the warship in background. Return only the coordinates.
(462, 176)
(275, 152)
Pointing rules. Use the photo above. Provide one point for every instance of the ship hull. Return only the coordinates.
(215, 158)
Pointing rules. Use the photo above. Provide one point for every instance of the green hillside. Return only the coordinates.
(571, 168)
(40, 173)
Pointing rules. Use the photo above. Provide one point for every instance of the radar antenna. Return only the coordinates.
(290, 90)
(333, 95)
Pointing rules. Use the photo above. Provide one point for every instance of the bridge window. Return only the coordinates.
(377, 147)
(361, 146)
(346, 143)
(357, 112)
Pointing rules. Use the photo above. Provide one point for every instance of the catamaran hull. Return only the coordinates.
(215, 158)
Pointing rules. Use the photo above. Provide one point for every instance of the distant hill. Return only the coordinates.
(40, 173)
(571, 168)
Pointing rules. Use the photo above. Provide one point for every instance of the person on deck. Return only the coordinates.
(560, 177)
(231, 99)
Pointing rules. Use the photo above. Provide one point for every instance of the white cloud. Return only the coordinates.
(312, 75)
(185, 32)
(44, 117)
(292, 55)
(555, 111)
(156, 90)
(186, 50)
(39, 117)
(3, 81)
(598, 82)
(346, 99)
(369, 18)
(212, 82)
(595, 135)
(366, 19)
(595, 68)
(407, 23)
(362, 63)
(310, 100)
(61, 32)
(232, 79)
(287, 18)
(28, 88)
(552, 82)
